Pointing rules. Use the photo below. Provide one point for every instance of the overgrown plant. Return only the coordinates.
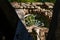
(37, 20)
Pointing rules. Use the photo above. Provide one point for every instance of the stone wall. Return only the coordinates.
(45, 8)
(41, 32)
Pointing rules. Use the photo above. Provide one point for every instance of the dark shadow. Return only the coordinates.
(9, 22)
(54, 23)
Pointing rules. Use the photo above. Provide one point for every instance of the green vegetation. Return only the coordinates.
(30, 20)
(23, 0)
(32, 0)
(43, 19)
(37, 20)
